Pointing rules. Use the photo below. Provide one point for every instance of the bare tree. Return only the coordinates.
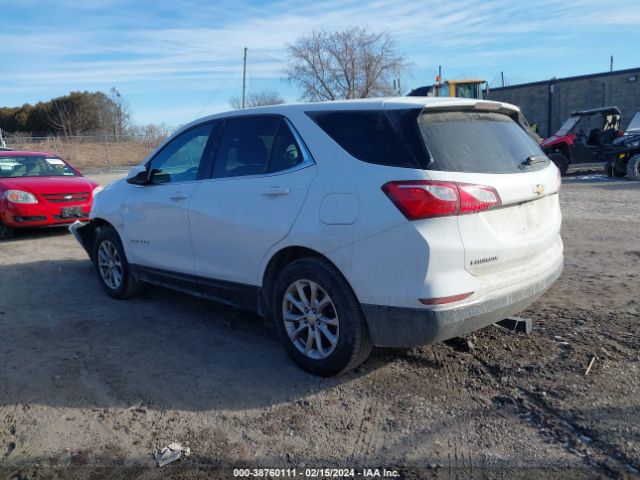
(353, 63)
(120, 115)
(260, 99)
(64, 117)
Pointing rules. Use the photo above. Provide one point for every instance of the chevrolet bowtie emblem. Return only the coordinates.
(539, 189)
(68, 197)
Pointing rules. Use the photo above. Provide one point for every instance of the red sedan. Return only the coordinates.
(41, 190)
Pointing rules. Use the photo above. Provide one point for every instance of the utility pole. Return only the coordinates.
(244, 77)
(502, 75)
(611, 64)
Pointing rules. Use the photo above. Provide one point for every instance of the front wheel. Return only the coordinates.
(319, 319)
(112, 268)
(561, 161)
(633, 167)
(6, 232)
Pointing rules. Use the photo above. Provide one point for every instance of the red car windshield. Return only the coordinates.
(34, 166)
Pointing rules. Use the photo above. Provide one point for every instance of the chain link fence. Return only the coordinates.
(91, 153)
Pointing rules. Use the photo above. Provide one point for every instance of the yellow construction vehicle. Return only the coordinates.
(467, 88)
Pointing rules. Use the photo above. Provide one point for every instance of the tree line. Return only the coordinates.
(77, 113)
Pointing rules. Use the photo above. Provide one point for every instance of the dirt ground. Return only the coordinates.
(89, 385)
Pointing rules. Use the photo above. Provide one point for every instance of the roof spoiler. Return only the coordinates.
(480, 105)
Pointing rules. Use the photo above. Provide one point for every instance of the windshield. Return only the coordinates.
(567, 126)
(634, 124)
(479, 142)
(32, 166)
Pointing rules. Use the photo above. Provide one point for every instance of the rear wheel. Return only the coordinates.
(6, 232)
(633, 167)
(561, 161)
(319, 319)
(111, 265)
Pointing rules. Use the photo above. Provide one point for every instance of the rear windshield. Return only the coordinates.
(34, 166)
(479, 142)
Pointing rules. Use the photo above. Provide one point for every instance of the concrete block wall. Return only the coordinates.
(550, 102)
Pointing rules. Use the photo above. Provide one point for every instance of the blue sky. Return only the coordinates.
(178, 60)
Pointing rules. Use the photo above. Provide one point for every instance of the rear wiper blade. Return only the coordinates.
(533, 160)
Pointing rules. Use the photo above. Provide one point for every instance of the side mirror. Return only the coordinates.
(138, 175)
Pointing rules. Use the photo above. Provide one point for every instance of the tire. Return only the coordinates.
(6, 232)
(633, 167)
(561, 161)
(111, 265)
(340, 316)
(612, 172)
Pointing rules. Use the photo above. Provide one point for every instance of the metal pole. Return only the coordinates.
(549, 108)
(244, 77)
(502, 75)
(106, 148)
(611, 64)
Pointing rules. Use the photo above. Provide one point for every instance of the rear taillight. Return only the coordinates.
(418, 199)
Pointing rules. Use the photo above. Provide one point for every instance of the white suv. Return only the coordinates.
(393, 222)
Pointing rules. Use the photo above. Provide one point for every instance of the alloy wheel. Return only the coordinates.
(110, 265)
(310, 319)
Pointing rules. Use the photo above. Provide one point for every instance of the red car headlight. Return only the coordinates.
(18, 196)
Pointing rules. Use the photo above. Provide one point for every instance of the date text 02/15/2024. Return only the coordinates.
(315, 473)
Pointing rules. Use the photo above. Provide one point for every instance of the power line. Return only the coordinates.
(219, 88)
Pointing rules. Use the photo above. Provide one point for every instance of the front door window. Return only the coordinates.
(180, 160)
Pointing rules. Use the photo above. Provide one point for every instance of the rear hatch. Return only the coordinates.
(489, 148)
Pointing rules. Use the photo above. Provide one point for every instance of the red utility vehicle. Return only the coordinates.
(41, 190)
(571, 144)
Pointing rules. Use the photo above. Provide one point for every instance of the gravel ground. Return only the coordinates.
(89, 385)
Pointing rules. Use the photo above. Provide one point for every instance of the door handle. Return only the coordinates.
(276, 191)
(178, 196)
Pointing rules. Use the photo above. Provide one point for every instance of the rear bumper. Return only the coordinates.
(412, 327)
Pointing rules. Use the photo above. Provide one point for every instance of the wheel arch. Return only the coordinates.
(562, 148)
(278, 261)
(88, 233)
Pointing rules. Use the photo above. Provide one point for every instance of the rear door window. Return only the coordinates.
(256, 145)
(245, 146)
(286, 152)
